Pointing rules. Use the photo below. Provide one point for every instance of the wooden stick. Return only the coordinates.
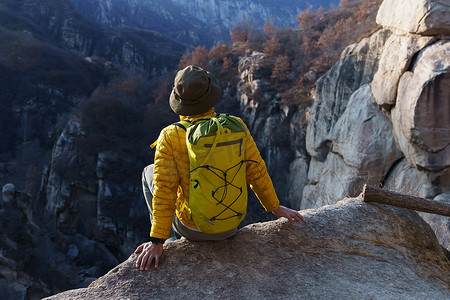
(371, 194)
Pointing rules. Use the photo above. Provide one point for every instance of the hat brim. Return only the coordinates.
(184, 108)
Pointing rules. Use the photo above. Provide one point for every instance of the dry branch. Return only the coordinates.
(371, 194)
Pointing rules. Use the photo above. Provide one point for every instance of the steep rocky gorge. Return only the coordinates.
(380, 116)
(278, 129)
(51, 60)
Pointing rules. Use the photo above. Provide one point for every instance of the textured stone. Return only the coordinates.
(421, 118)
(334, 181)
(405, 179)
(427, 17)
(348, 250)
(268, 121)
(411, 75)
(356, 67)
(298, 168)
(106, 161)
(297, 181)
(60, 187)
(8, 192)
(440, 224)
(363, 137)
(362, 151)
(395, 59)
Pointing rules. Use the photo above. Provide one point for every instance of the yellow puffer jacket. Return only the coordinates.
(171, 178)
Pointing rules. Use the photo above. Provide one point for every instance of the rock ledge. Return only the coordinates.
(348, 250)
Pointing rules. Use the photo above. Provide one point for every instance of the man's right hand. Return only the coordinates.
(149, 251)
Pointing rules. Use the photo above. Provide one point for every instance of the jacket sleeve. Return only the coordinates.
(166, 181)
(257, 176)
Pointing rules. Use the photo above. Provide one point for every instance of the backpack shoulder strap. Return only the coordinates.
(184, 124)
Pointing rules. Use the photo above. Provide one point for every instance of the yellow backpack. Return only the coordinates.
(218, 188)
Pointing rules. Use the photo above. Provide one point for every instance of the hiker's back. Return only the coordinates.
(218, 188)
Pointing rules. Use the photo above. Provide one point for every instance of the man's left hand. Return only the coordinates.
(290, 214)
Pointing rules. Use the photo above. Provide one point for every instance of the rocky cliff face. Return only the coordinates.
(196, 22)
(381, 114)
(82, 195)
(52, 58)
(379, 117)
(277, 128)
(229, 13)
(139, 51)
(79, 227)
(348, 250)
(35, 261)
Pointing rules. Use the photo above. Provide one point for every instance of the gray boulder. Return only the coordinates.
(348, 250)
(421, 117)
(395, 59)
(425, 17)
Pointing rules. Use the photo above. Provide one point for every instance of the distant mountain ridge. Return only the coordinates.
(137, 50)
(197, 22)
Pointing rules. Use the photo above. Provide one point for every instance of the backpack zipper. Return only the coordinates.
(229, 143)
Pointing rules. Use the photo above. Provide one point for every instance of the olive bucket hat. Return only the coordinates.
(195, 91)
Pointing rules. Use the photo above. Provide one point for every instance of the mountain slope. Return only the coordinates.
(195, 22)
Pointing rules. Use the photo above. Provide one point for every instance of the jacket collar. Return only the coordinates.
(210, 112)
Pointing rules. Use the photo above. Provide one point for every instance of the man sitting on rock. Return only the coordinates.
(166, 183)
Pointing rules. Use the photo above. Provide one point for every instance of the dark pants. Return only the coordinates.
(181, 229)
